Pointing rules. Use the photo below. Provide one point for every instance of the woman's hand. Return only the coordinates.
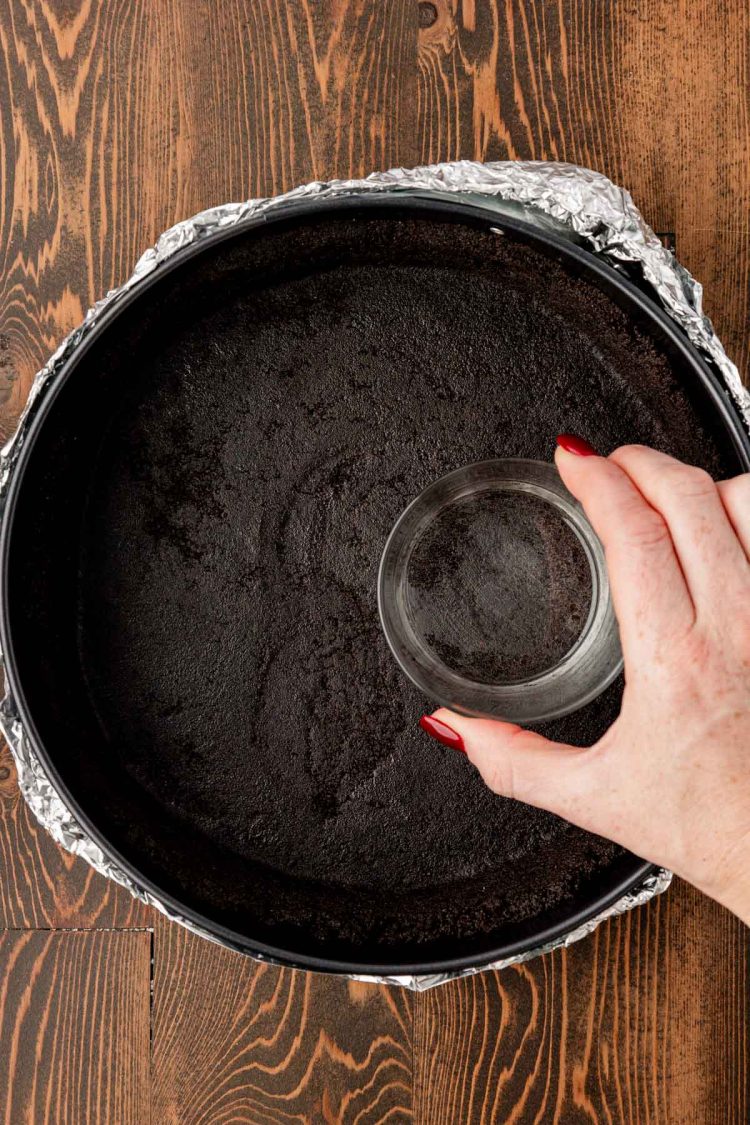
(670, 780)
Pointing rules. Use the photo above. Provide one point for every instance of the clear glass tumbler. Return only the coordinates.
(494, 597)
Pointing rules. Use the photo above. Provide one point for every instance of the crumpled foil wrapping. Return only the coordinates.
(576, 203)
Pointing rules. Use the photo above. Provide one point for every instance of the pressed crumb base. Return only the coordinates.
(278, 411)
(498, 587)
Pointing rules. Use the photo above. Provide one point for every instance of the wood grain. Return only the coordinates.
(117, 119)
(639, 1024)
(74, 1028)
(655, 94)
(43, 886)
(237, 1041)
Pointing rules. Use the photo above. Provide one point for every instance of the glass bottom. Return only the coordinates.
(494, 596)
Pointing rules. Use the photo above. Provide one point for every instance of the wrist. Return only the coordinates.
(729, 883)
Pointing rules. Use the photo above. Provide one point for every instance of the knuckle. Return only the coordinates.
(707, 656)
(648, 531)
(500, 777)
(629, 457)
(628, 452)
(735, 489)
(696, 652)
(738, 615)
(692, 483)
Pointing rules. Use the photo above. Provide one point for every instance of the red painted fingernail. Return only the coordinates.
(577, 445)
(441, 732)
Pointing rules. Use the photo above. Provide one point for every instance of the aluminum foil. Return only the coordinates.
(574, 202)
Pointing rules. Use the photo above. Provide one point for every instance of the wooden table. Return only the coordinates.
(119, 117)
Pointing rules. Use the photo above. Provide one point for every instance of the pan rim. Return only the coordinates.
(421, 201)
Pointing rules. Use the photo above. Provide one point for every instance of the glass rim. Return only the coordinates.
(588, 667)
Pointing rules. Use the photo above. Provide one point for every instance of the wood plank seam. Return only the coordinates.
(77, 929)
(151, 987)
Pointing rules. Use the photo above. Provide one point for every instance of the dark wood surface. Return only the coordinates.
(74, 1026)
(118, 118)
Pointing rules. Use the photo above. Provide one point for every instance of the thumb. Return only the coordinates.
(521, 764)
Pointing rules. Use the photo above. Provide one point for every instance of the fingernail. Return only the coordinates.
(441, 732)
(572, 444)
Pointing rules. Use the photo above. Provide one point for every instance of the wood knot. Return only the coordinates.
(436, 23)
(8, 784)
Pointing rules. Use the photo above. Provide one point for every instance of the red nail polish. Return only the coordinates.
(441, 732)
(577, 445)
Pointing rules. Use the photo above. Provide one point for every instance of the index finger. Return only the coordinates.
(649, 591)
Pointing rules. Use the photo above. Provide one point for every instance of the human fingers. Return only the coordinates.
(521, 764)
(649, 592)
(688, 501)
(735, 496)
